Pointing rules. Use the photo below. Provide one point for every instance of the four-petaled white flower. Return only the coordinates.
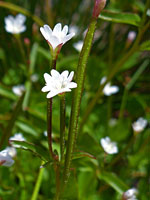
(78, 45)
(109, 146)
(139, 125)
(5, 159)
(130, 194)
(18, 89)
(108, 89)
(58, 36)
(15, 25)
(17, 137)
(57, 83)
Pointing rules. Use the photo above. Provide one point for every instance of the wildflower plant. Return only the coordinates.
(61, 127)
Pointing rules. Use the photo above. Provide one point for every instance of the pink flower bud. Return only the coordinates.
(98, 7)
(27, 41)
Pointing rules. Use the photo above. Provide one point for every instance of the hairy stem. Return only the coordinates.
(77, 98)
(62, 126)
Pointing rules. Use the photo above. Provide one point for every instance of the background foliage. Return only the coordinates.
(107, 176)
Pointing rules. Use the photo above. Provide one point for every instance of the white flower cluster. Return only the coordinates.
(139, 125)
(57, 83)
(15, 25)
(7, 155)
(108, 89)
(109, 146)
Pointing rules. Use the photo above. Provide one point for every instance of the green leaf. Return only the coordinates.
(114, 181)
(120, 17)
(27, 128)
(145, 46)
(82, 154)
(37, 150)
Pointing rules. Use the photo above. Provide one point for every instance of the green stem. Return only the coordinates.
(62, 126)
(117, 67)
(77, 98)
(17, 36)
(123, 103)
(38, 183)
(49, 119)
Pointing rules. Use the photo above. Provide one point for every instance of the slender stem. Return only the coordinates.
(62, 126)
(17, 36)
(117, 67)
(77, 98)
(38, 183)
(123, 103)
(49, 118)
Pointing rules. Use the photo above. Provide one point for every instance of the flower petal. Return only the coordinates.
(57, 29)
(51, 94)
(45, 89)
(67, 37)
(55, 73)
(72, 85)
(70, 77)
(65, 30)
(65, 74)
(47, 78)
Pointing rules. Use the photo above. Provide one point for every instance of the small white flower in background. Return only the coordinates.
(18, 89)
(112, 122)
(148, 12)
(45, 133)
(34, 78)
(15, 25)
(57, 83)
(109, 146)
(131, 35)
(130, 194)
(5, 159)
(139, 125)
(11, 151)
(17, 137)
(58, 36)
(78, 45)
(108, 89)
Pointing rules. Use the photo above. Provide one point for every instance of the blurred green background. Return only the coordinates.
(107, 176)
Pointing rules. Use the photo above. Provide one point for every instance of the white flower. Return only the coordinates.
(18, 89)
(78, 45)
(109, 146)
(17, 137)
(139, 125)
(112, 122)
(130, 194)
(56, 37)
(57, 83)
(5, 159)
(108, 89)
(34, 78)
(11, 151)
(131, 35)
(148, 12)
(15, 25)
(45, 133)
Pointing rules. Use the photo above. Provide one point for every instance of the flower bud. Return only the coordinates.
(98, 7)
